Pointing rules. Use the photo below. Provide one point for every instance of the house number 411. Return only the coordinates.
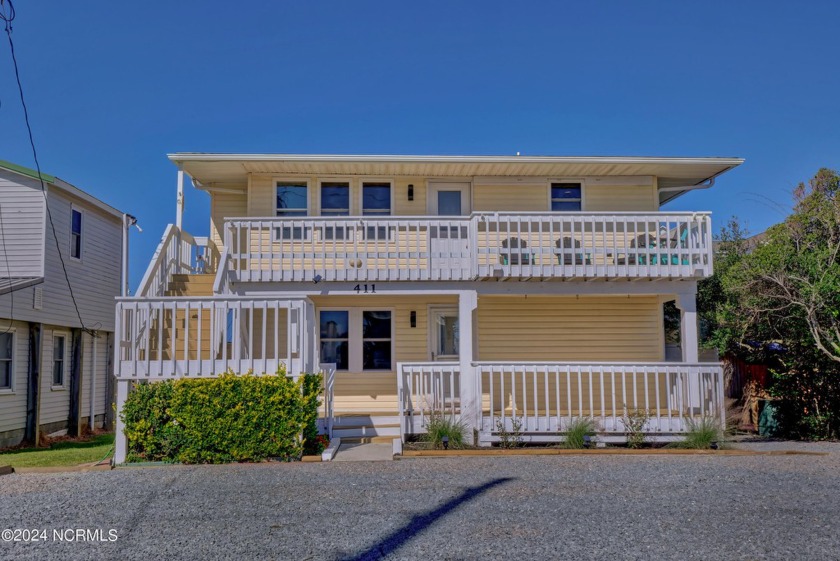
(363, 289)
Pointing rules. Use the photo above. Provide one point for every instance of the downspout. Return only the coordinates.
(93, 387)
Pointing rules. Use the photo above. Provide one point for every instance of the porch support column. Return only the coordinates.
(120, 441)
(308, 329)
(297, 332)
(470, 389)
(687, 303)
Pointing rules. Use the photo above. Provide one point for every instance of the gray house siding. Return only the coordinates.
(21, 226)
(13, 402)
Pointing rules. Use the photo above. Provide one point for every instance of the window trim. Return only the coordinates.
(306, 233)
(74, 208)
(63, 386)
(362, 182)
(355, 336)
(582, 184)
(321, 181)
(11, 389)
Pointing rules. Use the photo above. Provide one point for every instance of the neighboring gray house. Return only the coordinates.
(55, 376)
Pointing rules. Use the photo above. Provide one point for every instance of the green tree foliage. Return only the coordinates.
(785, 290)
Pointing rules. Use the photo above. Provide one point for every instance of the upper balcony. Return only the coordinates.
(482, 246)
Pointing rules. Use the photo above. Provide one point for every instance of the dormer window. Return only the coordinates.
(566, 196)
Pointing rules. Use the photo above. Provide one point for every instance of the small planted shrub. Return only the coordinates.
(635, 422)
(510, 437)
(439, 426)
(577, 430)
(702, 433)
(226, 419)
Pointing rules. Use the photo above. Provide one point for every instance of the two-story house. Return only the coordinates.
(60, 269)
(501, 290)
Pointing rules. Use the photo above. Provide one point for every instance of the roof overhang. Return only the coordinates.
(232, 169)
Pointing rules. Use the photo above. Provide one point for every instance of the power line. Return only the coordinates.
(8, 17)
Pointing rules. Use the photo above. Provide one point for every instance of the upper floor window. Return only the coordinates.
(376, 199)
(335, 199)
(75, 234)
(59, 359)
(7, 370)
(565, 196)
(292, 200)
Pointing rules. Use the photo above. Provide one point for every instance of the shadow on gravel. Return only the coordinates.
(421, 522)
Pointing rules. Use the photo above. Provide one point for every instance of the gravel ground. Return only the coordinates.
(526, 508)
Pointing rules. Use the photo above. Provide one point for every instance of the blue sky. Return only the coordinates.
(114, 86)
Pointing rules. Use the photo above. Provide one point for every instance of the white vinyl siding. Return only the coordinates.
(101, 374)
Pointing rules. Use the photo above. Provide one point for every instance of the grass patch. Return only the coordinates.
(701, 434)
(578, 429)
(440, 426)
(64, 453)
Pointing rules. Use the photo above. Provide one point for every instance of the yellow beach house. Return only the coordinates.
(504, 291)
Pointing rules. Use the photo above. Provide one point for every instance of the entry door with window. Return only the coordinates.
(449, 245)
(443, 334)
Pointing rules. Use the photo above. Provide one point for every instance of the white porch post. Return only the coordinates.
(179, 211)
(311, 361)
(470, 390)
(120, 441)
(687, 303)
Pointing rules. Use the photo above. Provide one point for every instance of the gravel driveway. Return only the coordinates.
(523, 508)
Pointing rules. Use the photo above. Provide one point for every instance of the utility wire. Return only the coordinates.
(8, 17)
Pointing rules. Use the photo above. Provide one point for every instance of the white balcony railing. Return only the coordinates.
(483, 245)
(174, 337)
(177, 253)
(540, 400)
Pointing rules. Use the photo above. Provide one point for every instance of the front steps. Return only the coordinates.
(366, 427)
(191, 285)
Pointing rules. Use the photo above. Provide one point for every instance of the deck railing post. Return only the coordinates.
(470, 388)
(120, 440)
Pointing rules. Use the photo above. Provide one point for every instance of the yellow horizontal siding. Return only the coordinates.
(620, 198)
(511, 198)
(566, 328)
(224, 205)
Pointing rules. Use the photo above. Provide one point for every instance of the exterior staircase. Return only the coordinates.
(191, 285)
(366, 427)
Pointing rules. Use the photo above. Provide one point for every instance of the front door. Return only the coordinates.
(443, 333)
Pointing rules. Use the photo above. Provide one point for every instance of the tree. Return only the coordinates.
(788, 287)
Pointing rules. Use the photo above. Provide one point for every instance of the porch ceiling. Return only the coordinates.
(210, 169)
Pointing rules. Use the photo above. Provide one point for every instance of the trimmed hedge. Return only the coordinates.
(231, 418)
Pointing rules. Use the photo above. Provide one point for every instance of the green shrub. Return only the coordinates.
(578, 429)
(226, 419)
(510, 438)
(702, 433)
(635, 423)
(439, 426)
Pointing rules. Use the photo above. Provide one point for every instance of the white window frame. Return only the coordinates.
(389, 181)
(74, 208)
(63, 386)
(431, 310)
(11, 360)
(567, 180)
(321, 181)
(355, 340)
(306, 233)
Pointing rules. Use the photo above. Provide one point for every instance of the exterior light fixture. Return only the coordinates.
(317, 278)
(410, 191)
(587, 441)
(714, 445)
(445, 441)
(413, 318)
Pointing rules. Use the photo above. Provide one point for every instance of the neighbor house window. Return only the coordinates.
(76, 234)
(565, 196)
(335, 201)
(292, 199)
(356, 339)
(6, 367)
(335, 338)
(59, 359)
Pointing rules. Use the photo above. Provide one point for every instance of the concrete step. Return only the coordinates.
(366, 432)
(369, 440)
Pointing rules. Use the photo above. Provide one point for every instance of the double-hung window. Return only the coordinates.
(59, 360)
(565, 196)
(7, 370)
(376, 201)
(75, 234)
(335, 201)
(292, 201)
(356, 340)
